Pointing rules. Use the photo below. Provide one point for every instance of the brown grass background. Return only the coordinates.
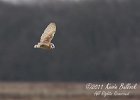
(56, 91)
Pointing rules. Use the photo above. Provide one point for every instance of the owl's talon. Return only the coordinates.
(36, 46)
(52, 46)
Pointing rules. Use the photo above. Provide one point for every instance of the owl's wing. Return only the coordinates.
(48, 34)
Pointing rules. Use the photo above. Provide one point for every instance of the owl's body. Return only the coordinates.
(46, 38)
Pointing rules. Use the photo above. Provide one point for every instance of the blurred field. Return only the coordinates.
(55, 91)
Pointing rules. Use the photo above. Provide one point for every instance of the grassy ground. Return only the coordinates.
(57, 91)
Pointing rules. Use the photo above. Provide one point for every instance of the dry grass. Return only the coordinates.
(55, 91)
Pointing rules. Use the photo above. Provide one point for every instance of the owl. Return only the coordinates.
(46, 38)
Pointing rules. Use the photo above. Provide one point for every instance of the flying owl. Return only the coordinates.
(46, 38)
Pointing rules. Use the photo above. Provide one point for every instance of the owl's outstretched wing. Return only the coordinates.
(48, 34)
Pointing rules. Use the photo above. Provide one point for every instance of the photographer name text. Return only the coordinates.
(112, 89)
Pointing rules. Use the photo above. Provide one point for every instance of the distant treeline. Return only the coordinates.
(95, 41)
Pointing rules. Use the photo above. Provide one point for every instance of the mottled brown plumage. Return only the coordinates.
(46, 38)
